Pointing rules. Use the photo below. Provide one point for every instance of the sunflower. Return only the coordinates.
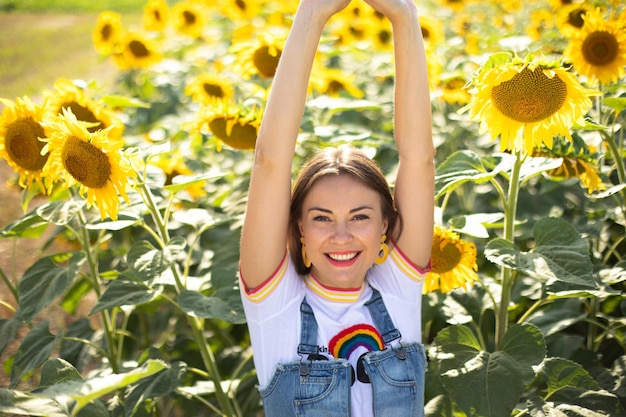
(598, 50)
(333, 82)
(527, 102)
(20, 130)
(232, 124)
(68, 95)
(188, 18)
(173, 164)
(432, 30)
(571, 18)
(579, 161)
(92, 161)
(453, 262)
(136, 51)
(454, 89)
(155, 15)
(107, 33)
(207, 89)
(260, 56)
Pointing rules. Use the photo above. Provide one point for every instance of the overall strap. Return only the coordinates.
(381, 318)
(308, 330)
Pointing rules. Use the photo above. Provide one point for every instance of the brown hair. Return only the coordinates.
(336, 161)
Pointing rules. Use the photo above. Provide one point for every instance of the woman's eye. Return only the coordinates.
(361, 217)
(321, 219)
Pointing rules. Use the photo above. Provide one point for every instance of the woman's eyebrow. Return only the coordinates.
(325, 210)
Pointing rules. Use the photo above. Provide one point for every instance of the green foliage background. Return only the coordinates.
(160, 282)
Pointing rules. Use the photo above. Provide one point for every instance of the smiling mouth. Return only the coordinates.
(342, 257)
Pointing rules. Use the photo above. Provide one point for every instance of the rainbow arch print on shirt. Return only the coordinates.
(361, 335)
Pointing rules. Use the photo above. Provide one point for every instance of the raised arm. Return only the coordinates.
(264, 235)
(415, 182)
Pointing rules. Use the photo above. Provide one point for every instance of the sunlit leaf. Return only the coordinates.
(60, 212)
(25, 404)
(84, 392)
(462, 167)
(155, 386)
(31, 226)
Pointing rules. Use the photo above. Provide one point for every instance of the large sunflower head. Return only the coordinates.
(527, 102)
(107, 33)
(20, 130)
(598, 50)
(136, 51)
(236, 125)
(91, 161)
(259, 56)
(69, 95)
(207, 89)
(453, 262)
(155, 15)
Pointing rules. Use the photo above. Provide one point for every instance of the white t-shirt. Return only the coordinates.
(345, 326)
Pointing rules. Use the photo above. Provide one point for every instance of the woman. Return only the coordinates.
(331, 275)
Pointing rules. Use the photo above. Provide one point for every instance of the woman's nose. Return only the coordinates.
(341, 232)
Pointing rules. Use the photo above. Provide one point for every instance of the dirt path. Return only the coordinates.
(35, 50)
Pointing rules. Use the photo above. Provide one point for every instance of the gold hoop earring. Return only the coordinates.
(305, 259)
(383, 252)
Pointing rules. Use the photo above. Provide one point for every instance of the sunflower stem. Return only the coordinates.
(510, 209)
(196, 324)
(107, 322)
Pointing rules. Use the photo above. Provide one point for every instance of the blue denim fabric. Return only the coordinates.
(319, 388)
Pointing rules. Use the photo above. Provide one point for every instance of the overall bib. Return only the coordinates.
(317, 387)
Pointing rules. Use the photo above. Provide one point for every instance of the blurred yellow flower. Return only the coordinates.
(259, 56)
(527, 102)
(107, 33)
(207, 89)
(136, 51)
(68, 95)
(453, 262)
(155, 15)
(598, 50)
(232, 124)
(570, 18)
(20, 130)
(188, 18)
(92, 161)
(454, 89)
(333, 82)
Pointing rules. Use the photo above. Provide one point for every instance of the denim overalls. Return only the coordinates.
(316, 388)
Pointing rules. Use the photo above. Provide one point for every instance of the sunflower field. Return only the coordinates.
(144, 186)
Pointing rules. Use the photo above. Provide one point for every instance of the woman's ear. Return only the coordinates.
(300, 227)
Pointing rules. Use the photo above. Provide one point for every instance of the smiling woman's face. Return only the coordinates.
(342, 225)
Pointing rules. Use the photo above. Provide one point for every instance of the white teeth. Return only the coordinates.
(342, 257)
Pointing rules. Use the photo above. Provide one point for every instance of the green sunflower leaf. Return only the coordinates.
(616, 103)
(44, 282)
(79, 394)
(122, 292)
(30, 225)
(35, 349)
(224, 306)
(560, 255)
(461, 167)
(497, 379)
